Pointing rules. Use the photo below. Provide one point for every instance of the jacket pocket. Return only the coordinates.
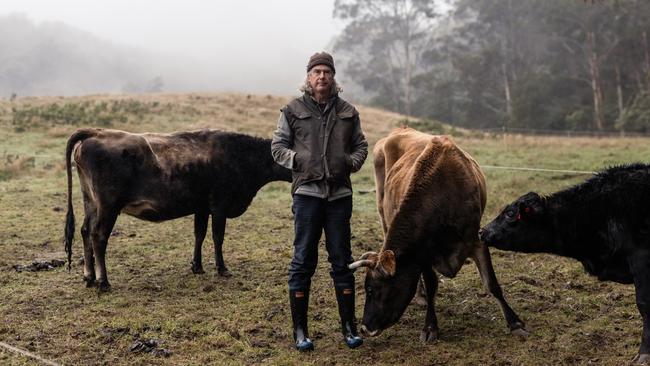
(302, 133)
(298, 163)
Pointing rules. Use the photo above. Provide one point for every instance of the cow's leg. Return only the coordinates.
(101, 231)
(421, 293)
(380, 176)
(482, 259)
(89, 260)
(90, 217)
(640, 268)
(218, 231)
(430, 330)
(200, 228)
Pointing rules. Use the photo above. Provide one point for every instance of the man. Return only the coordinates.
(319, 138)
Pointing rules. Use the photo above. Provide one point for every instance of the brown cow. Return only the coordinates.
(159, 177)
(431, 196)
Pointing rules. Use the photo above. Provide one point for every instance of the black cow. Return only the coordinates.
(604, 223)
(157, 177)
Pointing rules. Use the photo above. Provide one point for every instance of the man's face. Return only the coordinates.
(320, 79)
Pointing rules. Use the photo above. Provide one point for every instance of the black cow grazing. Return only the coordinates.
(604, 223)
(430, 195)
(157, 177)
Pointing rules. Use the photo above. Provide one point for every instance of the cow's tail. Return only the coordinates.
(76, 137)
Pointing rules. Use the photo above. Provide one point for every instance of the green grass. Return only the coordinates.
(245, 319)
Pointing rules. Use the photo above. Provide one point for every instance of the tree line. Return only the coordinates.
(535, 64)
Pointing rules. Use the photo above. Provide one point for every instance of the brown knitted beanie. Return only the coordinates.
(321, 58)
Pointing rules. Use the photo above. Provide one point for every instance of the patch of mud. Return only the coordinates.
(529, 281)
(38, 266)
(110, 335)
(149, 346)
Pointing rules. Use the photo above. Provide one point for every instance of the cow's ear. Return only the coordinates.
(525, 211)
(529, 209)
(386, 264)
(531, 204)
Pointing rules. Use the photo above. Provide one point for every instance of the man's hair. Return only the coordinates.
(306, 88)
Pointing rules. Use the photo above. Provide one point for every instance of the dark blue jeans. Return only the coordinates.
(312, 215)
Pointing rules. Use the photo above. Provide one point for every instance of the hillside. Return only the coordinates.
(253, 114)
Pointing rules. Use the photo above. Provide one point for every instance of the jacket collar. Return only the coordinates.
(312, 104)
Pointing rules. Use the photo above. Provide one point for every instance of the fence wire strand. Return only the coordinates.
(579, 172)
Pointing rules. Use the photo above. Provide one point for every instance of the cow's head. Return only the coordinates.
(389, 286)
(522, 226)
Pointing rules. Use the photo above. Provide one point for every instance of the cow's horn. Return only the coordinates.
(367, 259)
(362, 263)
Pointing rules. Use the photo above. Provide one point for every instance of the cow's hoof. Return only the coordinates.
(90, 282)
(519, 330)
(197, 269)
(642, 359)
(428, 335)
(224, 272)
(103, 286)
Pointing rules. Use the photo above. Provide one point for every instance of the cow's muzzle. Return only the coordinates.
(485, 236)
(367, 332)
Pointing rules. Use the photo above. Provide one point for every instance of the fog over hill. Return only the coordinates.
(52, 58)
(55, 58)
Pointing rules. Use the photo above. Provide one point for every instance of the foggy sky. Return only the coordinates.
(251, 46)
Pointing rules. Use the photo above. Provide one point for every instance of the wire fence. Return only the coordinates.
(577, 172)
(565, 133)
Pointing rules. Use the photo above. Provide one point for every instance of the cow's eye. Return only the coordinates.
(510, 214)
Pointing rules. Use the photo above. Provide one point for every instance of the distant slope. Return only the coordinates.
(252, 114)
(56, 59)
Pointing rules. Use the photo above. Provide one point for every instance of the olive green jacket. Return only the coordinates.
(319, 145)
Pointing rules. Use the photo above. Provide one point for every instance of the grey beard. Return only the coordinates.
(306, 88)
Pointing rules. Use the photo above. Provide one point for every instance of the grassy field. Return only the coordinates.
(244, 319)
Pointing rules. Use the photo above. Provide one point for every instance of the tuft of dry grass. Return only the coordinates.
(59, 132)
(15, 166)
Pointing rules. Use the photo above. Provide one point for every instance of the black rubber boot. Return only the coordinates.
(299, 301)
(345, 298)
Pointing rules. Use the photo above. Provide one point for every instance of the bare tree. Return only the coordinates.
(390, 36)
(584, 32)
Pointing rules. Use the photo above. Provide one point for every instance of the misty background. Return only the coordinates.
(547, 65)
(73, 47)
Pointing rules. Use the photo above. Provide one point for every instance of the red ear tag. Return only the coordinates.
(527, 210)
(518, 217)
